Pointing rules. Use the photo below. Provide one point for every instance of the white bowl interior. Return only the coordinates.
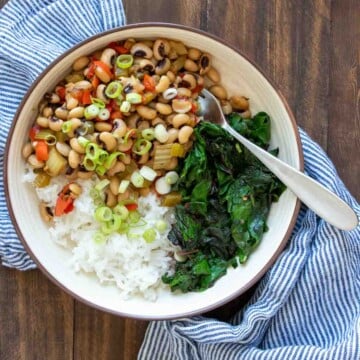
(239, 77)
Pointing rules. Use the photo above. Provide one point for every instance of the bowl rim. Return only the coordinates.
(205, 309)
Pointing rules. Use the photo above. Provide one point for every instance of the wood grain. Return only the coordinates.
(311, 50)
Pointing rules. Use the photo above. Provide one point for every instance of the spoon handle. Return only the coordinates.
(319, 199)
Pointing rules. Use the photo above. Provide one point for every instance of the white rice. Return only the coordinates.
(132, 264)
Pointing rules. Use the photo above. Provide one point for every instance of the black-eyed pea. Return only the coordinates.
(114, 185)
(74, 144)
(204, 63)
(42, 121)
(163, 109)
(219, 92)
(107, 56)
(103, 126)
(184, 92)
(126, 159)
(110, 198)
(179, 47)
(34, 162)
(142, 125)
(61, 113)
(83, 85)
(213, 75)
(125, 146)
(158, 120)
(80, 63)
(119, 128)
(100, 93)
(52, 98)
(74, 159)
(75, 189)
(171, 76)
(191, 65)
(71, 102)
(77, 112)
(63, 148)
(191, 80)
(132, 121)
(194, 54)
(140, 49)
(246, 114)
(47, 111)
(181, 105)
(116, 168)
(109, 140)
(102, 74)
(55, 123)
(27, 150)
(144, 158)
(180, 120)
(169, 118)
(144, 191)
(185, 133)
(172, 164)
(85, 174)
(161, 48)
(163, 66)
(226, 107)
(146, 112)
(45, 212)
(239, 102)
(163, 84)
(124, 196)
(173, 135)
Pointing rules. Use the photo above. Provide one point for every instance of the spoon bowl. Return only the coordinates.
(325, 204)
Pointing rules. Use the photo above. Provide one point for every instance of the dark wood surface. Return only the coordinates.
(311, 50)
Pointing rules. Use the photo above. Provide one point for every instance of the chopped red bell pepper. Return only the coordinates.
(61, 92)
(118, 48)
(65, 201)
(104, 66)
(131, 207)
(41, 150)
(149, 83)
(86, 97)
(33, 131)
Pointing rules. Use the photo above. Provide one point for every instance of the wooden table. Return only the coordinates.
(311, 50)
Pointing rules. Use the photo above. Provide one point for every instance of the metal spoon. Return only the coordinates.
(319, 199)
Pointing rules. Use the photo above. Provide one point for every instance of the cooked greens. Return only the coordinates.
(226, 196)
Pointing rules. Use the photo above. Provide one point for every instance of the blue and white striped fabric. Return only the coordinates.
(32, 34)
(305, 307)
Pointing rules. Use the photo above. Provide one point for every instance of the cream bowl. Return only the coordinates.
(239, 76)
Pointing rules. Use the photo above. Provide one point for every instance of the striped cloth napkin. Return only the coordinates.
(306, 306)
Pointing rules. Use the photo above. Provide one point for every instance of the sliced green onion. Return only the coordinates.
(104, 114)
(100, 170)
(149, 235)
(82, 130)
(66, 126)
(124, 184)
(129, 133)
(148, 173)
(101, 185)
(94, 194)
(110, 161)
(112, 225)
(171, 177)
(125, 106)
(92, 149)
(122, 211)
(91, 112)
(90, 127)
(148, 134)
(161, 226)
(124, 61)
(123, 228)
(103, 156)
(114, 89)
(99, 238)
(103, 213)
(134, 217)
(83, 141)
(141, 146)
(89, 164)
(46, 135)
(137, 179)
(98, 102)
(134, 98)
